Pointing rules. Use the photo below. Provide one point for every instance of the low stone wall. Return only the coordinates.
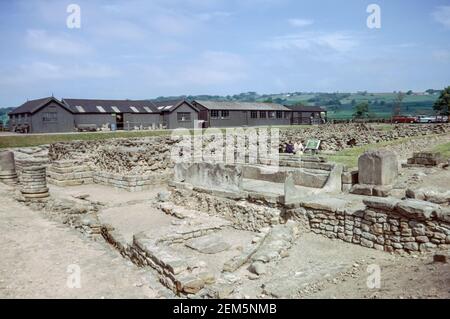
(385, 224)
(244, 213)
(425, 159)
(305, 177)
(211, 176)
(69, 173)
(133, 183)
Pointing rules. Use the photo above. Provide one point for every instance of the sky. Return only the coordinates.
(140, 49)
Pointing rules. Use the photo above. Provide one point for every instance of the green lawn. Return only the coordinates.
(444, 149)
(34, 140)
(349, 157)
(42, 139)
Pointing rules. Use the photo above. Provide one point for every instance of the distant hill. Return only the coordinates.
(339, 105)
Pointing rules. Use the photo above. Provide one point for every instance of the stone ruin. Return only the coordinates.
(377, 173)
(421, 159)
(265, 209)
(8, 173)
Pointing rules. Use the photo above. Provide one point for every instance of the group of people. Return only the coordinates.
(293, 148)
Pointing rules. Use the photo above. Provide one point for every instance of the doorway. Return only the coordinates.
(119, 121)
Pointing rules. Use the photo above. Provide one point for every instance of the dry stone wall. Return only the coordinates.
(242, 213)
(385, 224)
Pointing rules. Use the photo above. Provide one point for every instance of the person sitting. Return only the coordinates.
(298, 148)
(290, 148)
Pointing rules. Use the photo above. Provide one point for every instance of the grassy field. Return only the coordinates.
(349, 157)
(9, 141)
(35, 140)
(444, 149)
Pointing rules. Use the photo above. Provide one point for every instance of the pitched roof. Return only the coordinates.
(34, 105)
(171, 105)
(110, 106)
(242, 106)
(305, 108)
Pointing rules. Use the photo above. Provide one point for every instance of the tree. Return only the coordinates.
(397, 106)
(361, 110)
(442, 104)
(410, 92)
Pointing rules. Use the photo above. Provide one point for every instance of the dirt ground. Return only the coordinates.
(37, 252)
(36, 255)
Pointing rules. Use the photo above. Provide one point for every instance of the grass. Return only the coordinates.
(444, 149)
(35, 140)
(349, 157)
(9, 141)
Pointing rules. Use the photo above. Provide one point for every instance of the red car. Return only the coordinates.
(404, 119)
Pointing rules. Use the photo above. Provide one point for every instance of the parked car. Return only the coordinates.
(404, 119)
(442, 119)
(431, 119)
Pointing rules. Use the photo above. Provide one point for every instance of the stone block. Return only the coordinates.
(378, 168)
(360, 189)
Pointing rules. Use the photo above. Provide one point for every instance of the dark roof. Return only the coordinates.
(33, 106)
(171, 105)
(241, 106)
(304, 108)
(110, 106)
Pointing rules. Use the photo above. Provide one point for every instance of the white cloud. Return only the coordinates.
(216, 67)
(441, 55)
(209, 69)
(314, 41)
(172, 24)
(300, 22)
(59, 45)
(41, 71)
(208, 16)
(123, 30)
(442, 15)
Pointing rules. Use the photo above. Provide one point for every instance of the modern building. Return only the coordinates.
(47, 115)
(50, 115)
(307, 115)
(232, 114)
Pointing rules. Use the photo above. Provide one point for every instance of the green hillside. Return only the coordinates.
(338, 105)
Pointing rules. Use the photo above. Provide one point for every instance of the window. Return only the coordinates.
(214, 114)
(287, 115)
(134, 109)
(225, 114)
(101, 109)
(279, 114)
(271, 114)
(254, 114)
(184, 116)
(115, 109)
(49, 117)
(80, 108)
(262, 114)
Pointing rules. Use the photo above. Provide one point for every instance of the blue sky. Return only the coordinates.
(144, 49)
